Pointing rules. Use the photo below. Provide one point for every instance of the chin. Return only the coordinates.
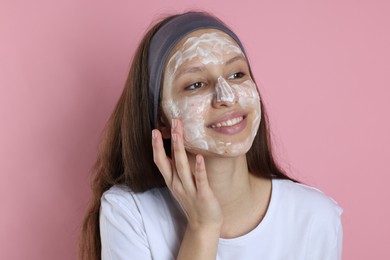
(227, 150)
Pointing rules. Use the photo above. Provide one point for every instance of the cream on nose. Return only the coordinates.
(224, 91)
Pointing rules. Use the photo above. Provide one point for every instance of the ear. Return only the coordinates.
(164, 127)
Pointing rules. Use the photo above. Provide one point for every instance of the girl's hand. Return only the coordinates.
(190, 188)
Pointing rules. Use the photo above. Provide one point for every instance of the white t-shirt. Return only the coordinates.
(300, 223)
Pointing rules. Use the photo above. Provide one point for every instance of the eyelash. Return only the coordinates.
(199, 84)
(242, 74)
(193, 87)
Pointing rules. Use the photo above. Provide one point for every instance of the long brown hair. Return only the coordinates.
(125, 154)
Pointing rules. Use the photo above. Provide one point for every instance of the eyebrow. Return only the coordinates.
(235, 58)
(201, 68)
(190, 70)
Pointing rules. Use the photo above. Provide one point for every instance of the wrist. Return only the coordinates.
(209, 231)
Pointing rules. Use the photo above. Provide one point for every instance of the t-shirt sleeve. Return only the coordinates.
(337, 252)
(326, 240)
(121, 229)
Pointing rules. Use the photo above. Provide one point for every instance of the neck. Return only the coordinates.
(228, 178)
(231, 182)
(242, 196)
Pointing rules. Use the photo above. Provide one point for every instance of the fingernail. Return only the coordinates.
(174, 138)
(174, 123)
(198, 159)
(154, 134)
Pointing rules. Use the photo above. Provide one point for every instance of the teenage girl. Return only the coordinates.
(185, 170)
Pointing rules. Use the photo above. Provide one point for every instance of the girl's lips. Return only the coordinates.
(230, 124)
(227, 116)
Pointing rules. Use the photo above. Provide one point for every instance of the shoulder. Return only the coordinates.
(130, 222)
(120, 201)
(307, 199)
(120, 207)
(141, 224)
(124, 198)
(316, 215)
(313, 214)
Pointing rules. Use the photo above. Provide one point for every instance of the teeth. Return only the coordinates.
(229, 122)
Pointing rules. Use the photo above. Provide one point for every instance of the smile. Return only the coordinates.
(229, 122)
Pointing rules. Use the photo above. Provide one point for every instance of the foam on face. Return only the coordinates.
(224, 91)
(200, 47)
(194, 109)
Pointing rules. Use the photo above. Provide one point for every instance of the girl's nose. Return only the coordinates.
(224, 93)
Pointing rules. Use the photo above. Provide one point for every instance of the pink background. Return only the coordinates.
(324, 73)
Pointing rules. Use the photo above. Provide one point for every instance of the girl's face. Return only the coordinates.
(208, 86)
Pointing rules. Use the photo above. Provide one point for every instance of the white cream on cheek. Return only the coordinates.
(193, 109)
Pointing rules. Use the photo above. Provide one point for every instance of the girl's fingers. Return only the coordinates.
(180, 156)
(160, 158)
(202, 184)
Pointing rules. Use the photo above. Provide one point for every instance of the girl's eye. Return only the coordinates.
(236, 75)
(195, 86)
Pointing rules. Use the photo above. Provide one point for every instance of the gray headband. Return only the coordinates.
(165, 39)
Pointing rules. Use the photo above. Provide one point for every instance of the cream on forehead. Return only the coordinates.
(200, 46)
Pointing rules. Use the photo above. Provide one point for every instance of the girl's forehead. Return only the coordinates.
(201, 44)
(202, 35)
(211, 39)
